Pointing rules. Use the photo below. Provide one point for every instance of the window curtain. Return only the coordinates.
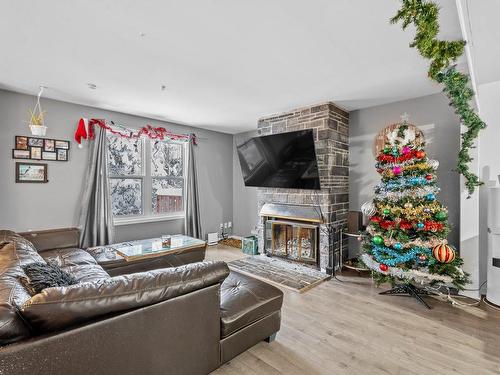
(96, 217)
(192, 222)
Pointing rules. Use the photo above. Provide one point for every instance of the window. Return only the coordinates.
(146, 179)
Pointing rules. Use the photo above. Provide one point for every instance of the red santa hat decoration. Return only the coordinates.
(82, 131)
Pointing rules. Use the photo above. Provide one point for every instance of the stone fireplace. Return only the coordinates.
(322, 212)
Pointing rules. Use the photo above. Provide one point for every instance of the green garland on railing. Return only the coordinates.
(424, 15)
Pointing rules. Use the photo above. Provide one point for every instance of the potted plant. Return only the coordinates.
(36, 123)
(36, 117)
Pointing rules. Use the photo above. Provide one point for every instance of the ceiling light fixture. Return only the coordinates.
(91, 86)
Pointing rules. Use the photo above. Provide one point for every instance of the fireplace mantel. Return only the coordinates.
(291, 211)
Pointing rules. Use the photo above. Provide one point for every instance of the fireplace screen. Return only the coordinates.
(292, 240)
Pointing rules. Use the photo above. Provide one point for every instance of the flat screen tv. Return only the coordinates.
(286, 160)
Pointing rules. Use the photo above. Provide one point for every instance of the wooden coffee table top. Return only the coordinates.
(151, 247)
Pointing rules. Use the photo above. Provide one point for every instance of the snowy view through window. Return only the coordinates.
(167, 169)
(125, 159)
(129, 179)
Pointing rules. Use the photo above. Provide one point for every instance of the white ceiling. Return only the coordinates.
(224, 63)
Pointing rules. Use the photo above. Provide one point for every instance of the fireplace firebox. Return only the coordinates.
(293, 240)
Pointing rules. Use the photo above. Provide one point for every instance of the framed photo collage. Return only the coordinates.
(40, 149)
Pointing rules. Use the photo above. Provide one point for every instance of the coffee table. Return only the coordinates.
(144, 255)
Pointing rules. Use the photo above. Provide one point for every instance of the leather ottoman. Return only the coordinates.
(250, 312)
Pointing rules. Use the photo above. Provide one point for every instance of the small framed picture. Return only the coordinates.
(36, 153)
(31, 172)
(21, 143)
(62, 154)
(35, 142)
(49, 155)
(62, 144)
(49, 145)
(20, 154)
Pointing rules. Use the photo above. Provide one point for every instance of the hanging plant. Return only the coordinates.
(36, 117)
(442, 54)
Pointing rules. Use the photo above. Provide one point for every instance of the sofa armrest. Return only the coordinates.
(57, 308)
(53, 238)
(179, 336)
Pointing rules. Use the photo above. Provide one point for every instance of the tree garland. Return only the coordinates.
(424, 15)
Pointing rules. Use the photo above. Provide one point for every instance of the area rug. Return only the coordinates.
(288, 274)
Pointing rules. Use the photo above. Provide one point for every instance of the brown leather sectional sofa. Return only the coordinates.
(180, 320)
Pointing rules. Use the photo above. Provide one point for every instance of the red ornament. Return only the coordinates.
(383, 267)
(375, 219)
(422, 258)
(428, 177)
(444, 253)
(420, 154)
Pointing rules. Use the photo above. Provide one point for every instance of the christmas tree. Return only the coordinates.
(405, 240)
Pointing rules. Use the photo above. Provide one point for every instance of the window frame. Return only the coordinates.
(146, 178)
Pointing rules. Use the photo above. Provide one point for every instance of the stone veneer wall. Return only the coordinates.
(331, 133)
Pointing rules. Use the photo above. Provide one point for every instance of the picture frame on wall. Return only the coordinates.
(62, 154)
(36, 153)
(49, 155)
(31, 172)
(62, 144)
(49, 145)
(21, 143)
(35, 142)
(21, 154)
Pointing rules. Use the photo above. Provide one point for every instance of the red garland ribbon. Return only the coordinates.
(396, 159)
(148, 130)
(430, 226)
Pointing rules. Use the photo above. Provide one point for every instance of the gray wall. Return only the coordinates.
(56, 204)
(441, 128)
(442, 132)
(244, 198)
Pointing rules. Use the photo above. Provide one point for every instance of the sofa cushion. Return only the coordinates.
(42, 275)
(245, 300)
(68, 257)
(57, 308)
(12, 293)
(77, 262)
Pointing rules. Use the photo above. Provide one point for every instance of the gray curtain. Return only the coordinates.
(96, 217)
(192, 222)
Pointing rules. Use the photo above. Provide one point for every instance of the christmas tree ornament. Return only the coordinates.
(408, 205)
(420, 225)
(422, 258)
(406, 150)
(383, 267)
(398, 246)
(359, 238)
(434, 164)
(444, 253)
(428, 177)
(441, 215)
(427, 210)
(386, 211)
(368, 208)
(396, 169)
(430, 197)
(387, 150)
(420, 154)
(375, 219)
(378, 240)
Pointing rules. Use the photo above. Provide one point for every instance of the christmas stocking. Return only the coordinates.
(82, 131)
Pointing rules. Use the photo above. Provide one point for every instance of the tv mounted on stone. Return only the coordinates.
(286, 160)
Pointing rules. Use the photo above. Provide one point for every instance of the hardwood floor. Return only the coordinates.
(347, 328)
